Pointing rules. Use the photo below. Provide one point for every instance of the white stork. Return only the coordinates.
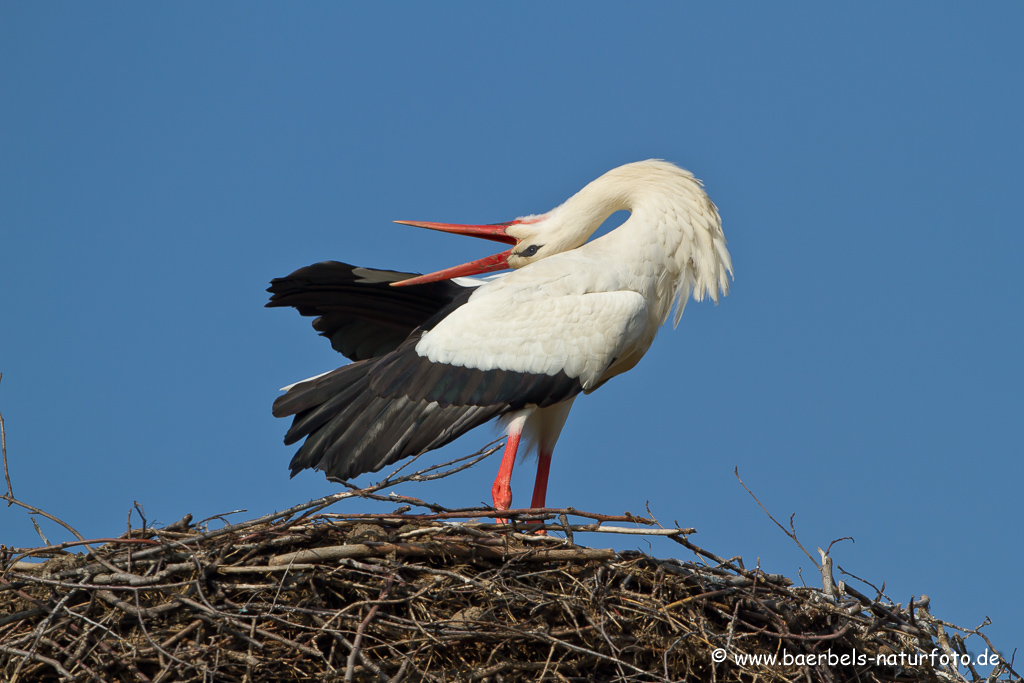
(435, 357)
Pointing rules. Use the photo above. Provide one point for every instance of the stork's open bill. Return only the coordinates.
(442, 354)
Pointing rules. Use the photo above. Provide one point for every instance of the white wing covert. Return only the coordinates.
(577, 334)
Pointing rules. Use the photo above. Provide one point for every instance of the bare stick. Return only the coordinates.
(39, 658)
(3, 445)
(11, 500)
(828, 582)
(357, 642)
(792, 534)
(521, 514)
(489, 448)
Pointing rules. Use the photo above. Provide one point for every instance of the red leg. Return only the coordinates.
(540, 487)
(501, 491)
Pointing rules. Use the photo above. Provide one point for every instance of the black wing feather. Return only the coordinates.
(358, 310)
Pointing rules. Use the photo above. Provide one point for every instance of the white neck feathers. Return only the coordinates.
(669, 208)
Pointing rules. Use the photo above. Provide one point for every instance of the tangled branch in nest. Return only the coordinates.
(304, 595)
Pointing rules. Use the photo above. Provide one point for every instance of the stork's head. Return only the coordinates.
(532, 238)
(669, 199)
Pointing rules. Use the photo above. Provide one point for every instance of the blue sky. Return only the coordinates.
(161, 165)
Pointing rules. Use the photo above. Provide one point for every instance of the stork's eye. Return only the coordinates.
(530, 250)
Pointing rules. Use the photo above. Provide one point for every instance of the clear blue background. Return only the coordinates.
(160, 163)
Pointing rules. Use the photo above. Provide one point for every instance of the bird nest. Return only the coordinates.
(447, 595)
(443, 597)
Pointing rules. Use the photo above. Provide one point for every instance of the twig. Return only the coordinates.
(792, 534)
(3, 446)
(64, 673)
(521, 514)
(358, 640)
(11, 500)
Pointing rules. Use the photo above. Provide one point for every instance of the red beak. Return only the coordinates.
(495, 232)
